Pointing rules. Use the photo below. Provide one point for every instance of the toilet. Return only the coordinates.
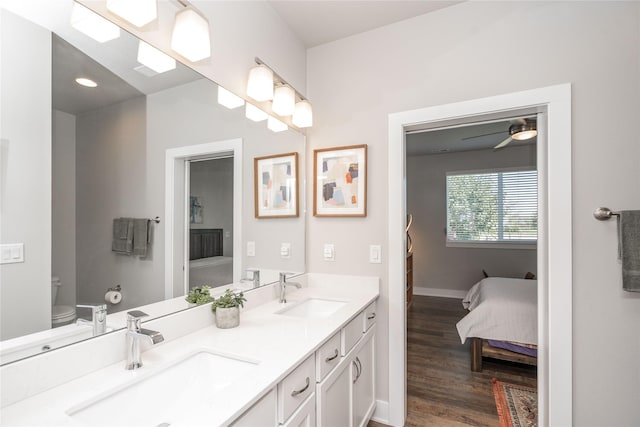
(60, 314)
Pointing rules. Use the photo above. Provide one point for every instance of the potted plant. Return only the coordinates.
(227, 309)
(199, 295)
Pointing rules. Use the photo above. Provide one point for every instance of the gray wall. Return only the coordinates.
(212, 182)
(63, 205)
(443, 268)
(466, 52)
(25, 191)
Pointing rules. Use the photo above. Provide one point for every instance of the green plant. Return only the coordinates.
(229, 299)
(199, 295)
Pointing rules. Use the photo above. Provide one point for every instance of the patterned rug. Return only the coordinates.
(517, 405)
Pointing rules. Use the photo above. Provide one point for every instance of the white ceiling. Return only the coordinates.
(322, 21)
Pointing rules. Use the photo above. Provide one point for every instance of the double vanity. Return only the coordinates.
(309, 361)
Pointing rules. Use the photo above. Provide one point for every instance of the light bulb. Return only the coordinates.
(260, 84)
(284, 101)
(303, 115)
(276, 125)
(228, 99)
(254, 113)
(190, 36)
(93, 25)
(155, 59)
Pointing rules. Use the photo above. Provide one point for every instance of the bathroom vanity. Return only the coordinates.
(309, 362)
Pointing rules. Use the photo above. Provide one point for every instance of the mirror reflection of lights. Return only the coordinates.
(86, 82)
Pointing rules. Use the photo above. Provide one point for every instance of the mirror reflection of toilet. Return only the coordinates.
(60, 314)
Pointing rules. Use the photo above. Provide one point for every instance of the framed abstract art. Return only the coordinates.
(276, 186)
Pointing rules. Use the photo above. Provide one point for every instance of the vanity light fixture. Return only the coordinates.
(93, 25)
(286, 100)
(276, 125)
(83, 81)
(260, 84)
(254, 113)
(190, 36)
(155, 59)
(137, 12)
(229, 99)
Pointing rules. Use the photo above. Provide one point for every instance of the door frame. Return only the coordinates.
(554, 240)
(173, 156)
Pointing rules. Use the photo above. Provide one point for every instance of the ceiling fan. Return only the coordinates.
(520, 130)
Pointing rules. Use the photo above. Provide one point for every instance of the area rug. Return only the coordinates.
(517, 405)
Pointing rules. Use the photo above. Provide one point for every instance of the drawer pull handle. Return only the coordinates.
(335, 354)
(297, 392)
(373, 316)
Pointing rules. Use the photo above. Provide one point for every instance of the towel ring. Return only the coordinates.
(603, 214)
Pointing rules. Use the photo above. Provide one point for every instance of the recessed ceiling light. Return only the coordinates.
(86, 82)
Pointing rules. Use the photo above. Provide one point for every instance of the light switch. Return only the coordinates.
(329, 252)
(227, 234)
(251, 248)
(285, 250)
(11, 253)
(375, 254)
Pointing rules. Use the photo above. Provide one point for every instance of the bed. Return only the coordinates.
(207, 265)
(502, 320)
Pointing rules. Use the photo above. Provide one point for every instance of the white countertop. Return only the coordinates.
(277, 342)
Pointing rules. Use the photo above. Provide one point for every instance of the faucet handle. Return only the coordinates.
(136, 314)
(133, 319)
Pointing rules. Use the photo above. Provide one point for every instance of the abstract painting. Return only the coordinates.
(276, 186)
(195, 211)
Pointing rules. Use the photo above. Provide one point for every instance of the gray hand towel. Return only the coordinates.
(122, 242)
(629, 240)
(140, 237)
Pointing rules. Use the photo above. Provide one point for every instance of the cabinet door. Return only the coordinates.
(363, 382)
(305, 416)
(334, 398)
(262, 413)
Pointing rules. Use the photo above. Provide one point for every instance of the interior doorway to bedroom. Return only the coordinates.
(473, 212)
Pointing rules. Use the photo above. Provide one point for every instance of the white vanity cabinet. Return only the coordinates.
(296, 388)
(363, 384)
(262, 413)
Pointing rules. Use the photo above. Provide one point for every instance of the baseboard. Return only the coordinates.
(381, 414)
(445, 293)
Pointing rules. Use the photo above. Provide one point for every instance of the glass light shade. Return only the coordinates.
(284, 101)
(93, 25)
(190, 36)
(138, 12)
(303, 115)
(524, 135)
(154, 58)
(228, 99)
(276, 125)
(260, 84)
(254, 113)
(83, 81)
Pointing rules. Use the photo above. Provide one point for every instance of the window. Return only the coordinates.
(489, 207)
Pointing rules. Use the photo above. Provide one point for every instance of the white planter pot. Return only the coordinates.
(227, 317)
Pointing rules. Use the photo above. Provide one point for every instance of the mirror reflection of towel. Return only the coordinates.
(629, 241)
(140, 237)
(122, 236)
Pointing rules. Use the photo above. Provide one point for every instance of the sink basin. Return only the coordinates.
(313, 307)
(163, 396)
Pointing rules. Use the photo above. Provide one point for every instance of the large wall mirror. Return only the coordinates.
(84, 169)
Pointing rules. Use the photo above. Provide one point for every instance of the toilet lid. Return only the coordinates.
(62, 311)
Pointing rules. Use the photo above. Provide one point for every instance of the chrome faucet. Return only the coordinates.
(98, 317)
(134, 333)
(283, 286)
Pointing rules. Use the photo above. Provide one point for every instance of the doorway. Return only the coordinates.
(554, 239)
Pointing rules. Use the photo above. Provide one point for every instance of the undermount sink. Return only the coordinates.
(313, 307)
(163, 396)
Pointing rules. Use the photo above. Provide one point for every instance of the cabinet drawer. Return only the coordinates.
(369, 316)
(327, 357)
(296, 388)
(351, 334)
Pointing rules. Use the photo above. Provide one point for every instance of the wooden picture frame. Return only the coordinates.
(340, 181)
(276, 186)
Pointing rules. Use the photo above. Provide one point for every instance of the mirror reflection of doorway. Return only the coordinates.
(209, 221)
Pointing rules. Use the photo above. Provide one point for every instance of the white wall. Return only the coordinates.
(466, 52)
(212, 182)
(25, 191)
(63, 205)
(435, 265)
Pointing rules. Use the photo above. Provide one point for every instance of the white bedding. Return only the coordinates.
(502, 309)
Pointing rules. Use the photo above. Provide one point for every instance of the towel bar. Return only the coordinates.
(603, 214)
(156, 220)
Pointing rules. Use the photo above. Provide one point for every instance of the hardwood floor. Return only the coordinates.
(441, 389)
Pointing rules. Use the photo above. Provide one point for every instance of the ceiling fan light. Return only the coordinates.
(524, 131)
(260, 84)
(284, 101)
(229, 99)
(276, 125)
(137, 12)
(525, 134)
(93, 25)
(303, 115)
(190, 37)
(254, 113)
(155, 59)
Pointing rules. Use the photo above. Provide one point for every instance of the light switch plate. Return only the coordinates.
(375, 254)
(329, 252)
(11, 253)
(285, 250)
(251, 248)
